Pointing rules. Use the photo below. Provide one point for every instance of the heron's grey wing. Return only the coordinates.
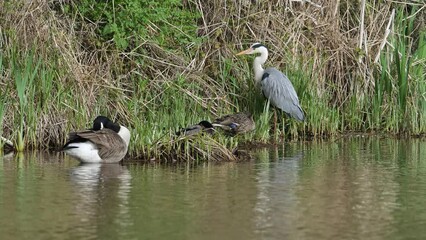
(110, 145)
(278, 89)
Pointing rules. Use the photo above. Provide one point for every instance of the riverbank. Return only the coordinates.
(156, 69)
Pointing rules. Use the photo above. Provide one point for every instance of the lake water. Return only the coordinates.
(357, 188)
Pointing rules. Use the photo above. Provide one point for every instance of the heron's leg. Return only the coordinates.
(275, 120)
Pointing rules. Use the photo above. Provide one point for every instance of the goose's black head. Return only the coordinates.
(104, 122)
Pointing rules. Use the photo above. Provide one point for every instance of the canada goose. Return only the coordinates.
(237, 123)
(203, 126)
(106, 142)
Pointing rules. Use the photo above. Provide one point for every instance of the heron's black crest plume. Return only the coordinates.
(258, 45)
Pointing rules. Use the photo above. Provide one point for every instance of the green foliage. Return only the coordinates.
(2, 102)
(400, 81)
(418, 72)
(130, 22)
(23, 74)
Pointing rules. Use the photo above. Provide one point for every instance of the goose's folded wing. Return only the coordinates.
(108, 142)
(76, 137)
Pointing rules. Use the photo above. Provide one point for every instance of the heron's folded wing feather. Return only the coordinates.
(278, 89)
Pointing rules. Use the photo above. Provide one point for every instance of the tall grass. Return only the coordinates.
(399, 90)
(23, 74)
(65, 69)
(2, 107)
(418, 72)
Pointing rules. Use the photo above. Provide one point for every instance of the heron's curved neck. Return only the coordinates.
(257, 65)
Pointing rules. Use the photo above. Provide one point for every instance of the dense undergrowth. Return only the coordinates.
(156, 66)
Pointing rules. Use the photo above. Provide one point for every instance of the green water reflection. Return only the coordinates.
(360, 188)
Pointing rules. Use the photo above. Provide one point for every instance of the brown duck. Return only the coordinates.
(238, 123)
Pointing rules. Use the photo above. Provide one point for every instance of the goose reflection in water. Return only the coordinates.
(99, 187)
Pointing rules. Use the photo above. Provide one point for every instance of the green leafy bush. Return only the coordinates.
(130, 22)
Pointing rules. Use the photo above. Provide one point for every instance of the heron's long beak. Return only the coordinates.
(247, 51)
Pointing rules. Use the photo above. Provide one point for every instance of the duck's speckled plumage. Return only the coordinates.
(238, 123)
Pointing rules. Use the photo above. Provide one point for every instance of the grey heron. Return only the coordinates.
(106, 142)
(275, 86)
(237, 123)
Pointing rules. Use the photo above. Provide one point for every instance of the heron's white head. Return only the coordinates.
(259, 60)
(254, 48)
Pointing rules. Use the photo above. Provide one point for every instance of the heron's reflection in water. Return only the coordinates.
(103, 192)
(277, 176)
